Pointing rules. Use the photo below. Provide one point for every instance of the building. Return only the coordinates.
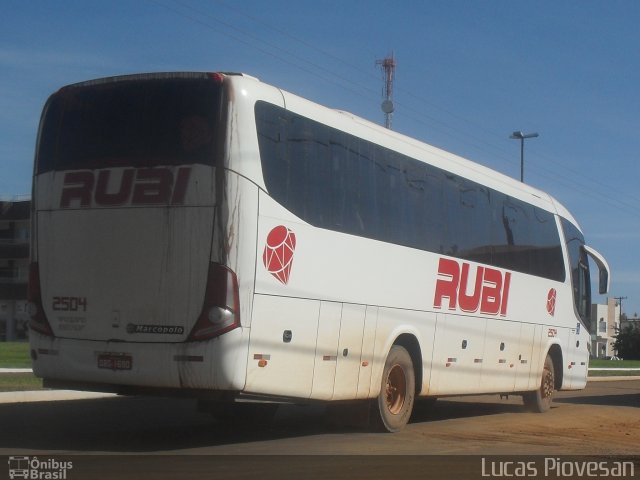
(605, 322)
(15, 227)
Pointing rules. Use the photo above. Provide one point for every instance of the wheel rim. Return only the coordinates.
(546, 389)
(396, 389)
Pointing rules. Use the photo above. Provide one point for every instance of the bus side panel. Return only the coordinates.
(390, 325)
(282, 346)
(349, 352)
(578, 362)
(525, 362)
(324, 370)
(368, 351)
(539, 346)
(502, 355)
(458, 355)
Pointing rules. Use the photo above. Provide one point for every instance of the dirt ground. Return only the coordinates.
(603, 419)
(159, 438)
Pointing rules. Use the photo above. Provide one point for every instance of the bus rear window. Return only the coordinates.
(134, 121)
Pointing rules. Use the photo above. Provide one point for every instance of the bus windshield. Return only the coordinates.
(138, 121)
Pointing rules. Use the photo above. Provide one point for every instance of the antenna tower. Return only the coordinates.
(388, 66)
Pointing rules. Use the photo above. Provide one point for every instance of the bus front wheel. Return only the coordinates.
(397, 394)
(540, 400)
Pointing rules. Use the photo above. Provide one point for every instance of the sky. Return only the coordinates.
(469, 73)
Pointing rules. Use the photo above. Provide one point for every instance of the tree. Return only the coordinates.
(627, 342)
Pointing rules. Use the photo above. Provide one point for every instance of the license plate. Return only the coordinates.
(115, 361)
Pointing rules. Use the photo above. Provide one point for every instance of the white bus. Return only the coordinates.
(210, 235)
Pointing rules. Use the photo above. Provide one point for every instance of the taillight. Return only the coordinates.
(216, 77)
(39, 321)
(221, 309)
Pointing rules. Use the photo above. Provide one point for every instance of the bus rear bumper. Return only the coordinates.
(217, 364)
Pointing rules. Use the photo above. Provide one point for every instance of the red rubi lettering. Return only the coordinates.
(78, 186)
(447, 287)
(154, 187)
(104, 197)
(469, 303)
(180, 188)
(505, 294)
(145, 186)
(489, 292)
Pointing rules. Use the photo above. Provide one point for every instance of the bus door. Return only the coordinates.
(578, 358)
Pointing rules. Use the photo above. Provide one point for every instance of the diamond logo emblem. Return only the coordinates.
(551, 302)
(278, 253)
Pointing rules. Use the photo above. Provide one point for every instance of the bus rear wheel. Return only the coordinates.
(397, 393)
(539, 401)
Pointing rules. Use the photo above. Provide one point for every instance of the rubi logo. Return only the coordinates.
(278, 252)
(136, 186)
(488, 291)
(551, 302)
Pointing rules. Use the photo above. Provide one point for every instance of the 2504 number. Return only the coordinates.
(70, 304)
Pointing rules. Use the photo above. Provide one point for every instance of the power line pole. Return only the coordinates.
(619, 299)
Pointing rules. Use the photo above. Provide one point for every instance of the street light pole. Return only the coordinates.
(521, 136)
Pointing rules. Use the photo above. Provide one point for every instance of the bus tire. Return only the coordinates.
(539, 400)
(393, 407)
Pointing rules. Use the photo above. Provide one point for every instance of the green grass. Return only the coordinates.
(16, 382)
(614, 363)
(616, 373)
(15, 355)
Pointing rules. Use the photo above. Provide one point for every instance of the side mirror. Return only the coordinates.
(603, 284)
(603, 267)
